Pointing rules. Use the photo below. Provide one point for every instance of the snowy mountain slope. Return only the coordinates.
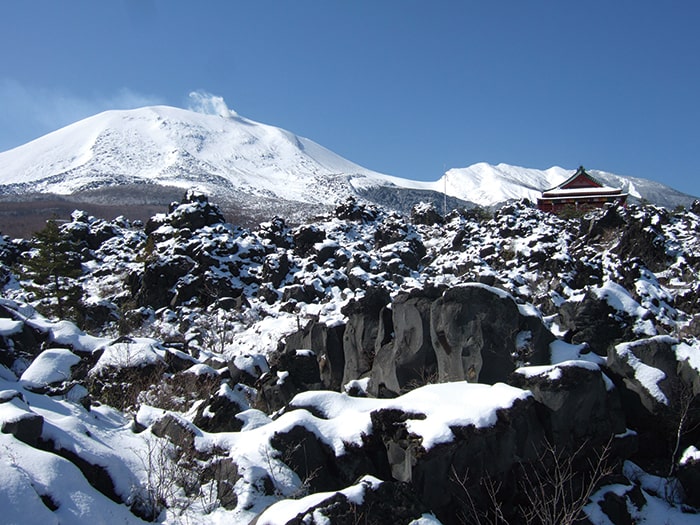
(488, 185)
(176, 147)
(236, 159)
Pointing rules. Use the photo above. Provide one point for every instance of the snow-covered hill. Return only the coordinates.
(238, 160)
(489, 185)
(176, 147)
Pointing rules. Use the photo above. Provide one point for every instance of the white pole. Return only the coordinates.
(444, 193)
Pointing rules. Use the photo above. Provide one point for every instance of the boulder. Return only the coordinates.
(327, 343)
(408, 359)
(616, 505)
(178, 431)
(574, 403)
(25, 426)
(291, 372)
(155, 286)
(641, 239)
(688, 475)
(370, 501)
(426, 213)
(351, 210)
(275, 268)
(194, 212)
(594, 322)
(247, 368)
(305, 237)
(360, 335)
(443, 475)
(648, 368)
(473, 329)
(218, 413)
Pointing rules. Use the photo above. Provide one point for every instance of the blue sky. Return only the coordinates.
(405, 87)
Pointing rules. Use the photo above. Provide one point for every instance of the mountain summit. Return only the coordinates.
(176, 147)
(127, 154)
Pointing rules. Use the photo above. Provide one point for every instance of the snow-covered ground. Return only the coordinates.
(235, 296)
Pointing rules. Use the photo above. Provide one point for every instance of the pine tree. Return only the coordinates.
(52, 267)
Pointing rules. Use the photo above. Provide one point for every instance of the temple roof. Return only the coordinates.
(580, 183)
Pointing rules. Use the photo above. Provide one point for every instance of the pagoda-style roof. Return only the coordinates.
(580, 191)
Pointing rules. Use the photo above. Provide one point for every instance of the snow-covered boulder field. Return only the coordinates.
(366, 367)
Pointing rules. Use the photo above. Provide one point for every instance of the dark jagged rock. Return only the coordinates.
(575, 405)
(360, 335)
(246, 369)
(178, 431)
(594, 322)
(655, 353)
(643, 241)
(426, 213)
(595, 225)
(305, 237)
(225, 474)
(218, 413)
(351, 210)
(158, 280)
(615, 506)
(439, 475)
(689, 476)
(407, 358)
(276, 233)
(292, 372)
(26, 426)
(659, 402)
(327, 343)
(299, 293)
(194, 212)
(473, 331)
(310, 458)
(381, 503)
(275, 268)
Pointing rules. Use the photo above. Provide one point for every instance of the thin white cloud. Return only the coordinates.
(204, 102)
(27, 112)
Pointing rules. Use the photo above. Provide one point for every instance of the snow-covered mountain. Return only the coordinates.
(252, 164)
(176, 147)
(488, 185)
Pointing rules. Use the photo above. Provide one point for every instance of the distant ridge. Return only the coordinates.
(141, 157)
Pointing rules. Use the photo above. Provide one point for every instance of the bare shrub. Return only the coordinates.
(178, 392)
(553, 491)
(120, 387)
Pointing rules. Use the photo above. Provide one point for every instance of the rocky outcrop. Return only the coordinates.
(292, 371)
(327, 343)
(361, 330)
(576, 403)
(408, 358)
(474, 331)
(594, 322)
(426, 213)
(218, 413)
(441, 474)
(373, 501)
(194, 211)
(649, 368)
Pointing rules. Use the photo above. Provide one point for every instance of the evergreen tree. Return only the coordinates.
(52, 268)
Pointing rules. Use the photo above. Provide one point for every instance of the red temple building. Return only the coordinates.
(579, 192)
